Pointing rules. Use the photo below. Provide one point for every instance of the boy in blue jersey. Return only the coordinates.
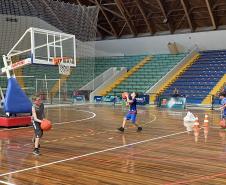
(132, 113)
(223, 103)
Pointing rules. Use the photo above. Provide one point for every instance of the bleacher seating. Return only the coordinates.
(148, 75)
(39, 72)
(201, 77)
(85, 71)
(195, 83)
(88, 69)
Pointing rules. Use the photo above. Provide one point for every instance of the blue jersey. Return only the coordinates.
(223, 102)
(133, 106)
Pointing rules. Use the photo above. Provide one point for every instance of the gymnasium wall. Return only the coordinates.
(209, 40)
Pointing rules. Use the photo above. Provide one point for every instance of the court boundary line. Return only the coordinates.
(58, 123)
(92, 153)
(84, 119)
(7, 183)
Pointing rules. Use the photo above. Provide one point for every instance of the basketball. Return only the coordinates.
(125, 95)
(222, 123)
(46, 125)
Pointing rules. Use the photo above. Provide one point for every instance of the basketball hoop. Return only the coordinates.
(64, 64)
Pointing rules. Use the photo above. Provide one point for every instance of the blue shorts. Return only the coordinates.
(131, 117)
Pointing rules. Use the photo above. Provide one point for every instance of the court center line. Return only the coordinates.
(93, 116)
(59, 123)
(155, 117)
(92, 132)
(7, 183)
(92, 153)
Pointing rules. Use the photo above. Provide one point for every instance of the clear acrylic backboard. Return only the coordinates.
(39, 46)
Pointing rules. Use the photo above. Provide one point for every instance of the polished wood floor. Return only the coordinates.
(84, 148)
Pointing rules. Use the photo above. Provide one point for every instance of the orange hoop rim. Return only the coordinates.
(58, 60)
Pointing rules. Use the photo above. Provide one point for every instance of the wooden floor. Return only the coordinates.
(85, 148)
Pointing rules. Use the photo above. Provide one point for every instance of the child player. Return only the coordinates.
(132, 113)
(223, 103)
(37, 117)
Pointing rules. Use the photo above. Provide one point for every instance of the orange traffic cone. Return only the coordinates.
(206, 127)
(196, 124)
(196, 129)
(206, 131)
(206, 121)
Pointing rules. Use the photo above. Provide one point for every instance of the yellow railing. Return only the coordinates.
(123, 77)
(174, 77)
(19, 73)
(57, 85)
(215, 90)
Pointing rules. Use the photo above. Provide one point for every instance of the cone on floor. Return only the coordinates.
(196, 129)
(206, 121)
(196, 124)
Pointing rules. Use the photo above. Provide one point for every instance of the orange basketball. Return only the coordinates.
(125, 95)
(46, 125)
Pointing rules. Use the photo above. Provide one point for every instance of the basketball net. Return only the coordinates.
(64, 64)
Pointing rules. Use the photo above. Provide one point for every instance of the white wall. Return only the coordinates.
(209, 40)
(103, 53)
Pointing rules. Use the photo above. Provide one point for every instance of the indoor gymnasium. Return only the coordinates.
(112, 92)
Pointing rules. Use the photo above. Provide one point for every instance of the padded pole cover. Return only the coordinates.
(16, 101)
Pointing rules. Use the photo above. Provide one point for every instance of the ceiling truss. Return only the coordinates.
(134, 18)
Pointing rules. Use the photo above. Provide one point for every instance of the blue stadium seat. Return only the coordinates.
(198, 80)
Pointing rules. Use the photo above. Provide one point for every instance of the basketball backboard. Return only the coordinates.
(39, 46)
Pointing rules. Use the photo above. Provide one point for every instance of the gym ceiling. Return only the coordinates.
(136, 18)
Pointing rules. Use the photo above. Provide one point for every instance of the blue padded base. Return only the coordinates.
(16, 100)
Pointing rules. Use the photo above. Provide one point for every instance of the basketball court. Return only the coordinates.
(84, 147)
(88, 62)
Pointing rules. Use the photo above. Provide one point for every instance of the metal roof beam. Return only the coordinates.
(211, 15)
(151, 30)
(106, 17)
(187, 15)
(104, 29)
(165, 15)
(123, 12)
